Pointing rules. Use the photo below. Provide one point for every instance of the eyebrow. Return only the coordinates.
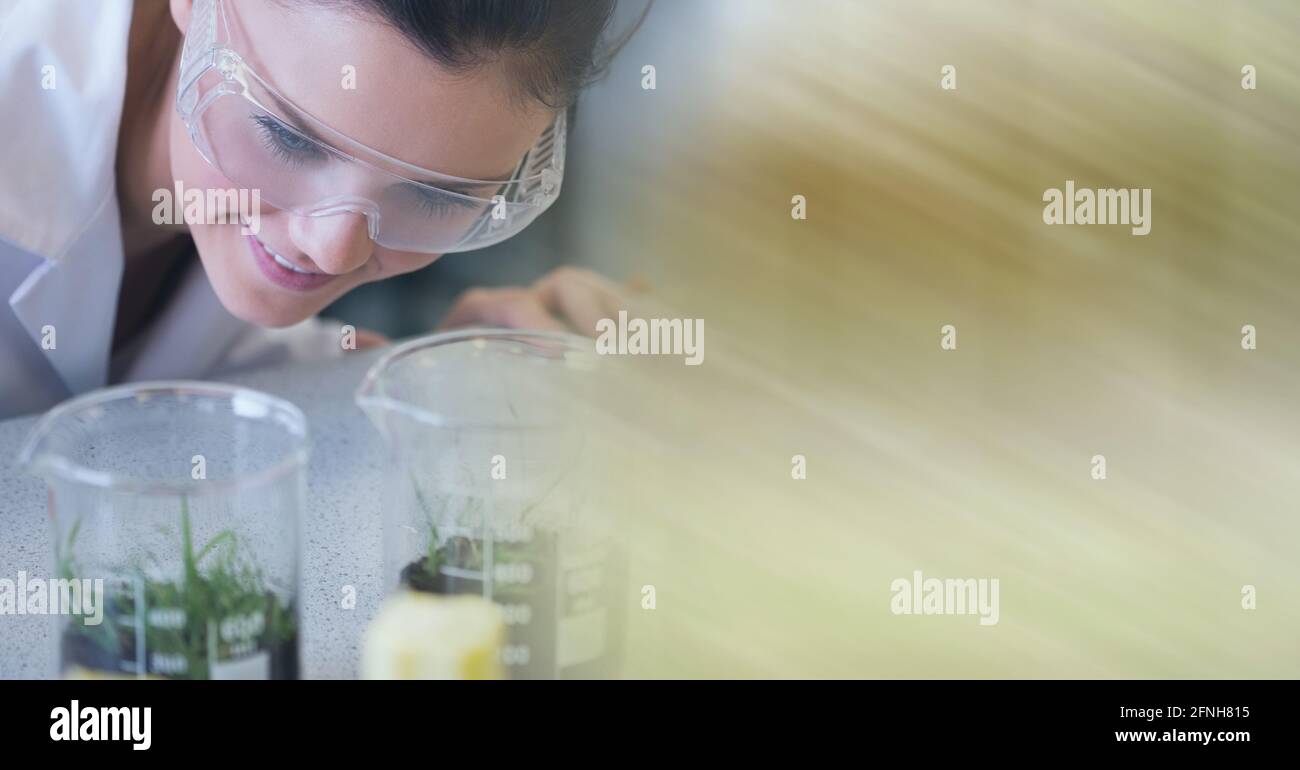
(463, 188)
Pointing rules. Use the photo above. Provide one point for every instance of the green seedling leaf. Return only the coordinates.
(224, 536)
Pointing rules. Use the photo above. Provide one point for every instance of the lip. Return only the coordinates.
(282, 276)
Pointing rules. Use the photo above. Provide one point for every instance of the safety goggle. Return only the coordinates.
(259, 140)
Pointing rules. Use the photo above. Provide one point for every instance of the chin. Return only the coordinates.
(245, 300)
(255, 310)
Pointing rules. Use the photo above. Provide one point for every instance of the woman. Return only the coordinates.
(299, 148)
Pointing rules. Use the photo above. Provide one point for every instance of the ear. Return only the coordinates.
(181, 10)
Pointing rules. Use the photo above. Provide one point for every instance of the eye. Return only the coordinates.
(285, 143)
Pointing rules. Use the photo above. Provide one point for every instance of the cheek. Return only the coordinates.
(187, 165)
(194, 173)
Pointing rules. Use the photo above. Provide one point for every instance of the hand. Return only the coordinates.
(367, 339)
(567, 299)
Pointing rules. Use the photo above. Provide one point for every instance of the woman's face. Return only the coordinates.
(403, 104)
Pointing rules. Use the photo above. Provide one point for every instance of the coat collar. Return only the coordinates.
(57, 196)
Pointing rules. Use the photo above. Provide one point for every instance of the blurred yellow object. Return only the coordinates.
(424, 636)
(82, 673)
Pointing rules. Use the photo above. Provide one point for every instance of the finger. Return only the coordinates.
(580, 297)
(507, 308)
(367, 339)
(637, 284)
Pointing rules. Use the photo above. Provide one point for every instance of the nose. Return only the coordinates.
(338, 243)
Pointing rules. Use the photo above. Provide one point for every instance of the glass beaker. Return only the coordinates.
(487, 485)
(175, 509)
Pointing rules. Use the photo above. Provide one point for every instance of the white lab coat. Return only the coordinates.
(61, 255)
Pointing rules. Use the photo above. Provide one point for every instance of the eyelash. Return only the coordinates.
(433, 202)
(286, 144)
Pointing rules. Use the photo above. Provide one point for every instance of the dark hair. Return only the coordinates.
(551, 48)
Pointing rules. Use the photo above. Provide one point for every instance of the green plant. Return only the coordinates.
(463, 552)
(218, 583)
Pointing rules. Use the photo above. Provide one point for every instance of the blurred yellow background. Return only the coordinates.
(924, 208)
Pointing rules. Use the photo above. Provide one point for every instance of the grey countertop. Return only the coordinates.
(341, 536)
